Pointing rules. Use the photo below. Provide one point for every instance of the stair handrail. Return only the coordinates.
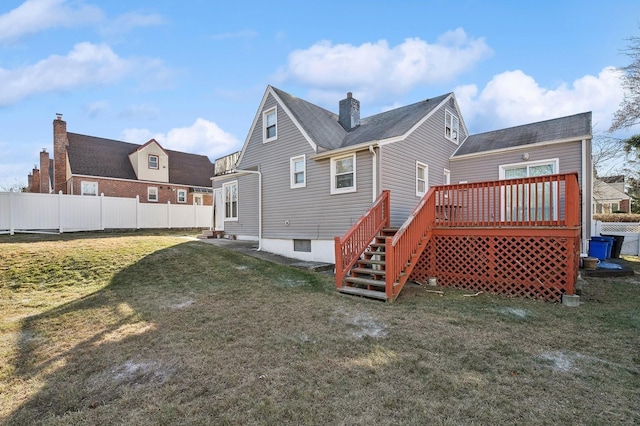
(355, 241)
(405, 242)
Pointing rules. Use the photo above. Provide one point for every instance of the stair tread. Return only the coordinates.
(370, 271)
(364, 292)
(372, 262)
(365, 281)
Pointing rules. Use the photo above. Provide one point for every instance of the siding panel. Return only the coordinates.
(301, 213)
(427, 145)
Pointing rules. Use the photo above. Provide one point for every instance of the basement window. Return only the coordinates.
(302, 245)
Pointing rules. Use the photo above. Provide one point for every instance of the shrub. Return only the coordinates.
(617, 217)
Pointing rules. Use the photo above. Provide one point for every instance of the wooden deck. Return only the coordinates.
(518, 237)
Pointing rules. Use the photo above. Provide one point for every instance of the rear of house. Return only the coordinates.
(306, 175)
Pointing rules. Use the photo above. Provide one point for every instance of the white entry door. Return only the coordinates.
(218, 210)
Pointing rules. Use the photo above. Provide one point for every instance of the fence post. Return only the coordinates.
(60, 230)
(137, 212)
(102, 211)
(12, 213)
(169, 214)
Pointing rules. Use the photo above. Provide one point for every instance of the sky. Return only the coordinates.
(191, 74)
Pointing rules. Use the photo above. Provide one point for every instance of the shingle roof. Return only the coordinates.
(571, 127)
(325, 130)
(93, 156)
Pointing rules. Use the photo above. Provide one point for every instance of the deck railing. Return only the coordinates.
(550, 200)
(349, 247)
(403, 245)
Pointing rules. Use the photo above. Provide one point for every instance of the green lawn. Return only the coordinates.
(143, 328)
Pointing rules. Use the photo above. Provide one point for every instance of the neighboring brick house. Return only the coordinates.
(89, 165)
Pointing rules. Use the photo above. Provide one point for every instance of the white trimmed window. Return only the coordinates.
(181, 195)
(152, 194)
(88, 188)
(230, 194)
(451, 126)
(343, 174)
(298, 169)
(153, 162)
(269, 124)
(198, 199)
(422, 179)
(446, 179)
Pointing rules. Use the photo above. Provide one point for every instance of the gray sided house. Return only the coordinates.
(306, 174)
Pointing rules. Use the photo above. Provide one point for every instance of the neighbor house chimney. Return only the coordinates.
(35, 180)
(44, 171)
(349, 116)
(60, 143)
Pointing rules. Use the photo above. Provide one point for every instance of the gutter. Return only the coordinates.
(345, 150)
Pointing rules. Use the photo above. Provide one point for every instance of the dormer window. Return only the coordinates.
(153, 162)
(269, 122)
(451, 126)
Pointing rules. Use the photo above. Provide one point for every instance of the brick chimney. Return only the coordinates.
(44, 171)
(60, 143)
(349, 116)
(35, 188)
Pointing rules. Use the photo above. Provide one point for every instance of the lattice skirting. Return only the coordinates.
(537, 266)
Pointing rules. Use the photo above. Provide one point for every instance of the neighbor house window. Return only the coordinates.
(153, 161)
(269, 120)
(343, 174)
(298, 172)
(230, 190)
(446, 179)
(152, 194)
(197, 199)
(422, 178)
(451, 126)
(182, 195)
(89, 188)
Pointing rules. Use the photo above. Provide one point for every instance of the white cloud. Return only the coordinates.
(142, 111)
(202, 137)
(373, 69)
(86, 65)
(96, 108)
(125, 23)
(242, 34)
(34, 16)
(513, 98)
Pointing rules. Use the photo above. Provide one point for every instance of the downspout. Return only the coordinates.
(374, 172)
(259, 173)
(586, 231)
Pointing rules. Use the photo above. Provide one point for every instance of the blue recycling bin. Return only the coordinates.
(598, 249)
(608, 240)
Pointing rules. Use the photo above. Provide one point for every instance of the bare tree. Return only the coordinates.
(629, 112)
(12, 186)
(608, 154)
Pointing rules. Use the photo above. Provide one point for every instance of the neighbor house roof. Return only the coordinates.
(325, 130)
(603, 191)
(93, 156)
(565, 128)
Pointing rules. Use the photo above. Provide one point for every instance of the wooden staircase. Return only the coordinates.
(368, 276)
(374, 259)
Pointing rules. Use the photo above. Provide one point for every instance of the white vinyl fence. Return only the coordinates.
(629, 230)
(25, 212)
